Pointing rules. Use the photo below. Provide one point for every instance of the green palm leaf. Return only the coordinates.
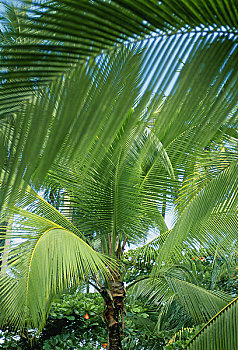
(199, 303)
(76, 31)
(124, 97)
(210, 217)
(75, 131)
(43, 259)
(220, 332)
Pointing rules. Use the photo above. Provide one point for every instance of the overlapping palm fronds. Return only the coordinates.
(206, 199)
(57, 34)
(208, 215)
(119, 104)
(63, 39)
(199, 303)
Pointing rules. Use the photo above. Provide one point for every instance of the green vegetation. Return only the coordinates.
(114, 116)
(146, 325)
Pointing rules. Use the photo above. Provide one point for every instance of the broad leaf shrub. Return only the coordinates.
(67, 327)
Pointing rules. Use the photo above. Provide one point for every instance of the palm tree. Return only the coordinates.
(116, 109)
(116, 202)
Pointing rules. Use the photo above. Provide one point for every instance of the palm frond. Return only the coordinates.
(212, 88)
(74, 31)
(220, 333)
(209, 218)
(43, 259)
(153, 289)
(98, 93)
(200, 303)
(150, 250)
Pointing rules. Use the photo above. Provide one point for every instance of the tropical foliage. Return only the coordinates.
(75, 320)
(112, 114)
(227, 317)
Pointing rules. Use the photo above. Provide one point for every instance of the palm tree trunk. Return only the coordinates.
(113, 312)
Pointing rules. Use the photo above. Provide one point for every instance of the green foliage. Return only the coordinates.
(66, 327)
(221, 324)
(136, 265)
(215, 273)
(179, 340)
(68, 314)
(146, 324)
(126, 109)
(186, 294)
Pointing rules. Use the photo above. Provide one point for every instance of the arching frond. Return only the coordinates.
(210, 217)
(153, 289)
(73, 31)
(53, 43)
(76, 114)
(43, 259)
(199, 303)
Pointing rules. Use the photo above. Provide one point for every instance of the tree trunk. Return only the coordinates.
(113, 312)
